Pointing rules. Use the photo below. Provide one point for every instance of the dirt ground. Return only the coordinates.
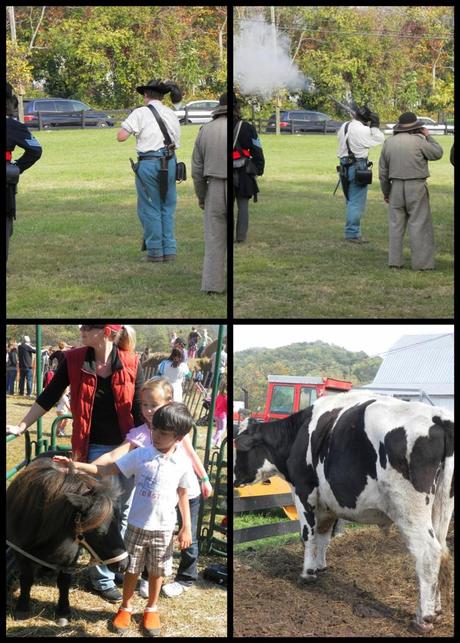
(369, 589)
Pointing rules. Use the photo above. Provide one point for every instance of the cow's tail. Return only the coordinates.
(443, 507)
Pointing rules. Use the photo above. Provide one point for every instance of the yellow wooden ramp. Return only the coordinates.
(270, 487)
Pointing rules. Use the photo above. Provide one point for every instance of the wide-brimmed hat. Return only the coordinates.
(222, 109)
(407, 122)
(154, 85)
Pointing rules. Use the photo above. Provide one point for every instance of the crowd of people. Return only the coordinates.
(138, 430)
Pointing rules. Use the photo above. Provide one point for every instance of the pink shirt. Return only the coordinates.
(220, 409)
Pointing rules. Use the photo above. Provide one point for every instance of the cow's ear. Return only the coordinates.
(248, 439)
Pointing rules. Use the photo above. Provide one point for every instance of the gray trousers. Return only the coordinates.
(242, 219)
(215, 236)
(409, 207)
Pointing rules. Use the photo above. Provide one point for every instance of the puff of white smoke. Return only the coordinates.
(262, 63)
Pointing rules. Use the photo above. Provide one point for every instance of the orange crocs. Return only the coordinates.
(152, 623)
(122, 620)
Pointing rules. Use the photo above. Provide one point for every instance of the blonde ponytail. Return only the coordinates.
(125, 339)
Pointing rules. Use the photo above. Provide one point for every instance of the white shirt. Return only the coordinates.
(140, 436)
(157, 478)
(176, 377)
(143, 124)
(360, 138)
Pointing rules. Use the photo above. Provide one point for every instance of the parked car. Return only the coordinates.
(432, 126)
(300, 120)
(198, 111)
(64, 113)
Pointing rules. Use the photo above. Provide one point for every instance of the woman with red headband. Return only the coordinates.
(105, 380)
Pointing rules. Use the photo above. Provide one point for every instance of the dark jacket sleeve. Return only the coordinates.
(53, 392)
(18, 135)
(137, 411)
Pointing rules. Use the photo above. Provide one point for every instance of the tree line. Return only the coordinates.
(252, 366)
(395, 59)
(99, 54)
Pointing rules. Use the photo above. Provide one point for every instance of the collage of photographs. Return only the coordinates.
(187, 442)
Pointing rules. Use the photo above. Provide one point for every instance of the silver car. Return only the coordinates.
(197, 111)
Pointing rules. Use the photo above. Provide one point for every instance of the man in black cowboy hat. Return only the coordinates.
(403, 170)
(209, 172)
(156, 167)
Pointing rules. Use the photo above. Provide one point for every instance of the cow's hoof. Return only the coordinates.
(321, 570)
(438, 616)
(62, 621)
(421, 628)
(309, 578)
(20, 615)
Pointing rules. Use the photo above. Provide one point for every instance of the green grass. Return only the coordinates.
(76, 243)
(296, 264)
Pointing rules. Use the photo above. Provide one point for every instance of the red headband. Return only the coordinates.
(114, 327)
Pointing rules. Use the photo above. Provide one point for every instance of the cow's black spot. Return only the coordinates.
(427, 500)
(321, 436)
(309, 514)
(448, 428)
(430, 531)
(427, 454)
(382, 456)
(396, 448)
(302, 476)
(305, 534)
(351, 456)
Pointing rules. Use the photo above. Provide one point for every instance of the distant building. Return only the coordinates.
(418, 367)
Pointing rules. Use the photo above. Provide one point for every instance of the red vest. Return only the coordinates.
(83, 380)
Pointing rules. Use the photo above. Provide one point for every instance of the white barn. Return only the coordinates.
(418, 367)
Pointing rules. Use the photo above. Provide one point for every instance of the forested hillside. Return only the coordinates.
(252, 366)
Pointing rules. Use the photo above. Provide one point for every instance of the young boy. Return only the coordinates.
(161, 474)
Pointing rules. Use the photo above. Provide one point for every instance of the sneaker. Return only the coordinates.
(149, 258)
(151, 622)
(144, 588)
(356, 240)
(112, 595)
(122, 621)
(171, 590)
(169, 258)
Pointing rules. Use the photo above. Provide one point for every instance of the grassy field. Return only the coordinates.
(296, 264)
(76, 243)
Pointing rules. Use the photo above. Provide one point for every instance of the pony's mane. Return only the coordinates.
(38, 506)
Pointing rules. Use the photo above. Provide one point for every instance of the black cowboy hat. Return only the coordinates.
(222, 109)
(156, 86)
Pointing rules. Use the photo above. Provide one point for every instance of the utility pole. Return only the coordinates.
(277, 98)
(20, 89)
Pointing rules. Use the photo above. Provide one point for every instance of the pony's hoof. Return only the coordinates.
(62, 621)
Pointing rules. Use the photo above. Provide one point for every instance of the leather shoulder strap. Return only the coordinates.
(164, 131)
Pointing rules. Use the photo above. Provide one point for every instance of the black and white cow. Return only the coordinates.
(371, 459)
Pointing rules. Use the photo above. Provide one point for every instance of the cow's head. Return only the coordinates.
(253, 462)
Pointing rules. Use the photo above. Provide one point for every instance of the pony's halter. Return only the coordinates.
(96, 559)
(81, 540)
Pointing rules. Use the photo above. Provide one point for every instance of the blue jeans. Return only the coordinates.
(11, 380)
(157, 217)
(25, 374)
(188, 571)
(100, 575)
(356, 203)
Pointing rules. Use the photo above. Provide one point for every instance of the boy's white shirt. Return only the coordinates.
(157, 478)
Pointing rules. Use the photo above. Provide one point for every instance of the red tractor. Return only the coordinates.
(288, 394)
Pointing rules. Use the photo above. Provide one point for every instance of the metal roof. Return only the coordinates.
(419, 361)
